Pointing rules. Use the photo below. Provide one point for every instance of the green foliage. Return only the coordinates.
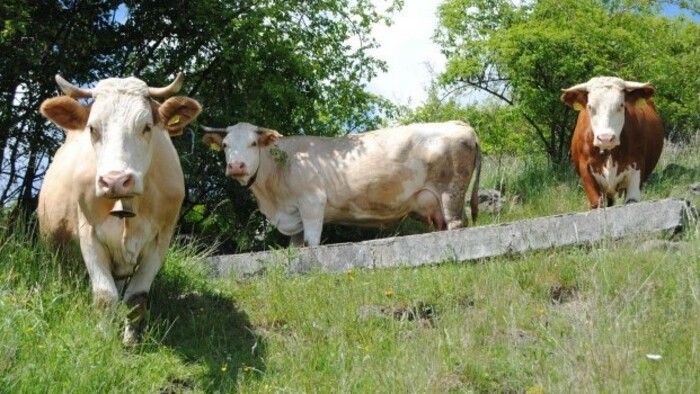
(287, 65)
(500, 128)
(524, 55)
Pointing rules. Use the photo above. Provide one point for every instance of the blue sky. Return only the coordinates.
(410, 54)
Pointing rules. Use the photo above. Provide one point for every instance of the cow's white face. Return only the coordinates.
(606, 107)
(120, 126)
(604, 98)
(242, 145)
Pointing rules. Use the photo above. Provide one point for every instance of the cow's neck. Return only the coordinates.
(253, 178)
(270, 185)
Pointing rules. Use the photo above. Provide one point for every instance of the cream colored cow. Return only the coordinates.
(115, 185)
(364, 179)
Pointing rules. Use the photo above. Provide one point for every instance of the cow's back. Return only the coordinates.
(373, 177)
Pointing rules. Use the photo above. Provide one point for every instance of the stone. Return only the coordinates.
(668, 216)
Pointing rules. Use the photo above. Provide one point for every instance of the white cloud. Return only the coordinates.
(409, 52)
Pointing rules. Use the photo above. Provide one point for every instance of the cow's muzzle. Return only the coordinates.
(606, 141)
(123, 209)
(116, 185)
(236, 169)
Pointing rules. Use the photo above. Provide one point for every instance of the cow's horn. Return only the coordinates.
(122, 209)
(213, 129)
(72, 90)
(630, 85)
(168, 90)
(581, 86)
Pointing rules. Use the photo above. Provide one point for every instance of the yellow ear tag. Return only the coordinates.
(640, 102)
(214, 147)
(578, 106)
(174, 120)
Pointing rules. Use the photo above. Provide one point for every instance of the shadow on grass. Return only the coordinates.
(205, 329)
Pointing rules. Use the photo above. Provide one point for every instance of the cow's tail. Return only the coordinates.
(474, 202)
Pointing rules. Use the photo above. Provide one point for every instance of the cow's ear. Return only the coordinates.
(267, 136)
(65, 112)
(176, 112)
(213, 140)
(576, 99)
(639, 96)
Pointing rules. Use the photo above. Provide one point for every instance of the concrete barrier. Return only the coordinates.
(473, 243)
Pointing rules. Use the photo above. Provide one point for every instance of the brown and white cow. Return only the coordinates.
(115, 186)
(618, 137)
(365, 179)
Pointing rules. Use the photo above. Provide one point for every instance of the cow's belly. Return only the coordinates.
(125, 242)
(371, 214)
(611, 178)
(375, 197)
(367, 211)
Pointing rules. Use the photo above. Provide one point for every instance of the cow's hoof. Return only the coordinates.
(454, 224)
(631, 201)
(131, 338)
(135, 322)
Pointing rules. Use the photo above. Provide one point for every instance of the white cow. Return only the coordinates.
(365, 179)
(115, 185)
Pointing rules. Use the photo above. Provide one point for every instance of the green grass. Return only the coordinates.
(580, 319)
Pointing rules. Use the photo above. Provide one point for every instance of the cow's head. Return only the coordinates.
(605, 99)
(242, 144)
(120, 124)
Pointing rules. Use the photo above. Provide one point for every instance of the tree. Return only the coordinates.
(524, 55)
(501, 129)
(287, 65)
(35, 39)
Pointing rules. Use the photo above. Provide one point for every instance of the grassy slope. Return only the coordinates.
(575, 320)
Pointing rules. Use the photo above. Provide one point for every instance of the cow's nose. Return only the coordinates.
(606, 141)
(236, 168)
(606, 138)
(117, 184)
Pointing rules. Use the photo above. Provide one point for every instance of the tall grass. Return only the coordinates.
(593, 318)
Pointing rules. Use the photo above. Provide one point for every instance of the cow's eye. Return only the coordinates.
(255, 143)
(94, 133)
(147, 129)
(225, 145)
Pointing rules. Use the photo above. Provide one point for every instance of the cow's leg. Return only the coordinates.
(105, 294)
(120, 282)
(97, 261)
(610, 199)
(297, 239)
(312, 208)
(453, 205)
(590, 186)
(136, 293)
(634, 192)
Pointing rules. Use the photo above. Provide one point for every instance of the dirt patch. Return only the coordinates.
(466, 302)
(561, 294)
(177, 386)
(271, 326)
(419, 311)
